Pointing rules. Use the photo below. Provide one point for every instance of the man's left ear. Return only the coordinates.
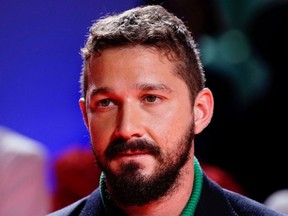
(203, 109)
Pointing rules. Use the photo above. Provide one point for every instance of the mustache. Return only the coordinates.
(121, 145)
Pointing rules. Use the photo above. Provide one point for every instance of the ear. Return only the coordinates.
(203, 109)
(82, 105)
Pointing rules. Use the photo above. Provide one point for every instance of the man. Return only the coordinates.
(143, 101)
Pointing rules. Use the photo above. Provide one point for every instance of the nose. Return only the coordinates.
(129, 122)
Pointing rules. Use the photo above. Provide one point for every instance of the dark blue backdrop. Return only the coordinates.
(39, 82)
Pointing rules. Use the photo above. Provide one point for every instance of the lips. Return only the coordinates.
(132, 153)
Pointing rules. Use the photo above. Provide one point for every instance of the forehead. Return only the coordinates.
(131, 60)
(129, 66)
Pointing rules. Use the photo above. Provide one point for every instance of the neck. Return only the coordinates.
(166, 205)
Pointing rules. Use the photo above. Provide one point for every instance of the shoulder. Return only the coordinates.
(246, 206)
(72, 209)
(83, 207)
(228, 203)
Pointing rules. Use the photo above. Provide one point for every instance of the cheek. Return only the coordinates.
(99, 135)
(171, 126)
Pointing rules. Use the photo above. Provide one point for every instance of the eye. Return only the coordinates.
(105, 103)
(151, 98)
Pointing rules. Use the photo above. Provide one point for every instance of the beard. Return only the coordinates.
(129, 187)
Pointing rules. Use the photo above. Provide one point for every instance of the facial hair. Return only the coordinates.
(130, 187)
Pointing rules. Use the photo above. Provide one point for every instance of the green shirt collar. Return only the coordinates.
(197, 187)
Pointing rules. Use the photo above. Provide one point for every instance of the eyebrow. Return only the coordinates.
(101, 90)
(149, 86)
(140, 86)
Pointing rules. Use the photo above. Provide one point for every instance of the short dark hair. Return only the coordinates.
(150, 26)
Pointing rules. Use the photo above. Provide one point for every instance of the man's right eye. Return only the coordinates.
(105, 103)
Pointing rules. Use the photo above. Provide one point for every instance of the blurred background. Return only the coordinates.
(244, 50)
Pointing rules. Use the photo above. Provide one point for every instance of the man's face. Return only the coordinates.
(139, 116)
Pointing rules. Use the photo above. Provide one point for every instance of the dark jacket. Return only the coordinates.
(214, 201)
